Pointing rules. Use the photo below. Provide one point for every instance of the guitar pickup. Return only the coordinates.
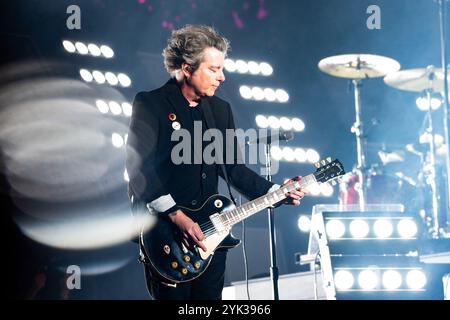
(218, 223)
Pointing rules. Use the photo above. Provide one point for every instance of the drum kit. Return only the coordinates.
(368, 184)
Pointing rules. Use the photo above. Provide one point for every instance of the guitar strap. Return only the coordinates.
(209, 118)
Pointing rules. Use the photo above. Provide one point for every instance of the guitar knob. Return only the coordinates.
(197, 265)
(166, 249)
(174, 265)
(184, 271)
(187, 258)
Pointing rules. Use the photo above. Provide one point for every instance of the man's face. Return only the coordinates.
(207, 78)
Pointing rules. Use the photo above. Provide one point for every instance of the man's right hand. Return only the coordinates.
(192, 234)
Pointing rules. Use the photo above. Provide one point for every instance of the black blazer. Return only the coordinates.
(151, 171)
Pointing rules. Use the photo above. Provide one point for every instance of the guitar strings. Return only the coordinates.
(209, 229)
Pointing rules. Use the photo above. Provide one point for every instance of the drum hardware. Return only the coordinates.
(427, 81)
(356, 68)
(390, 157)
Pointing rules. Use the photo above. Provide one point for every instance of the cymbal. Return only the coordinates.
(417, 80)
(358, 66)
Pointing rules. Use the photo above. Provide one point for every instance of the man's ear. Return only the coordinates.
(186, 69)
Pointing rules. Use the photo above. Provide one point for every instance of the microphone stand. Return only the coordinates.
(442, 26)
(267, 141)
(272, 235)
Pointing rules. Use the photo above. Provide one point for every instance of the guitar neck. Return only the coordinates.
(236, 215)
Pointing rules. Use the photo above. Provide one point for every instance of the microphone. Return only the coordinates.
(279, 135)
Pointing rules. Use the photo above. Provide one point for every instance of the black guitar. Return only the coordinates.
(171, 260)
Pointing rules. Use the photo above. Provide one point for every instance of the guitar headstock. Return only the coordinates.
(328, 170)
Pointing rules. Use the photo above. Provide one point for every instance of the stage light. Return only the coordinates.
(368, 279)
(107, 51)
(229, 65)
(282, 95)
(253, 67)
(81, 48)
(385, 266)
(383, 228)
(86, 75)
(127, 109)
(335, 229)
(314, 189)
(241, 66)
(304, 223)
(115, 108)
(285, 123)
(124, 80)
(125, 176)
(117, 140)
(276, 153)
(416, 279)
(94, 49)
(91, 48)
(98, 76)
(288, 154)
(343, 279)
(359, 228)
(391, 279)
(312, 155)
(266, 69)
(297, 124)
(380, 279)
(69, 46)
(111, 78)
(274, 122)
(102, 106)
(300, 155)
(258, 93)
(261, 121)
(269, 94)
(407, 228)
(246, 92)
(326, 189)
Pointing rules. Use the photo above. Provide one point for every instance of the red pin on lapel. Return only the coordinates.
(172, 116)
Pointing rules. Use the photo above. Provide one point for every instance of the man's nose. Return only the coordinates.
(221, 77)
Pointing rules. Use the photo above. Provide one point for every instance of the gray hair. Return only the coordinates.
(186, 45)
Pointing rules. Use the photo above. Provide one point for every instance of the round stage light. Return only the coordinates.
(359, 228)
(335, 228)
(416, 279)
(343, 279)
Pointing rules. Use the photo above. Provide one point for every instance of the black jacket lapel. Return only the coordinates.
(179, 104)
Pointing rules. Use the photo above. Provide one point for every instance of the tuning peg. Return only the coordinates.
(317, 165)
(323, 162)
(329, 159)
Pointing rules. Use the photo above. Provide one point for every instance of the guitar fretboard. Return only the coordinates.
(236, 215)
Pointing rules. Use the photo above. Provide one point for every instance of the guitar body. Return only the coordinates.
(169, 259)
